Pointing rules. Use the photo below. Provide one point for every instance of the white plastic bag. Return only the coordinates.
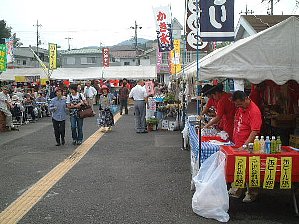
(211, 199)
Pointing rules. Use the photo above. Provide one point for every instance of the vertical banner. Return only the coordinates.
(106, 57)
(149, 86)
(254, 171)
(286, 173)
(3, 57)
(240, 172)
(175, 65)
(9, 52)
(52, 56)
(192, 24)
(270, 173)
(163, 28)
(159, 61)
(217, 20)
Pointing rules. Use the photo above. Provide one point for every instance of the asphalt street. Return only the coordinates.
(124, 178)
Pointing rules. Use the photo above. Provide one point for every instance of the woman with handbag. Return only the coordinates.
(105, 116)
(74, 102)
(58, 109)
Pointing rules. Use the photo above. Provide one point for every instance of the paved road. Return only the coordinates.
(124, 178)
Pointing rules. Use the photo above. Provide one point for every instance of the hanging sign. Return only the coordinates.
(163, 28)
(149, 86)
(159, 61)
(217, 20)
(175, 65)
(270, 173)
(240, 172)
(254, 171)
(9, 47)
(286, 173)
(193, 28)
(52, 56)
(106, 57)
(2, 57)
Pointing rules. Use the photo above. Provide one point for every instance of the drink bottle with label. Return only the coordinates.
(256, 144)
(278, 144)
(267, 145)
(273, 145)
(262, 145)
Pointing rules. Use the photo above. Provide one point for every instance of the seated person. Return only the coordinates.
(16, 108)
(29, 107)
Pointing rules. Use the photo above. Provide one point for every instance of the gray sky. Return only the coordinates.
(92, 22)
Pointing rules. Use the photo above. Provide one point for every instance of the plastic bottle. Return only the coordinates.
(278, 144)
(256, 144)
(267, 145)
(273, 145)
(262, 145)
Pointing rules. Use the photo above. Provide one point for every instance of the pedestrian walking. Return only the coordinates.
(90, 94)
(105, 115)
(58, 109)
(138, 93)
(123, 98)
(74, 102)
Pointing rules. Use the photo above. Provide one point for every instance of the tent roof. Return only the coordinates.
(270, 54)
(116, 72)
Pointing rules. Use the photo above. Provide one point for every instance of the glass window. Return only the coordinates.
(70, 61)
(165, 58)
(126, 63)
(24, 62)
(88, 60)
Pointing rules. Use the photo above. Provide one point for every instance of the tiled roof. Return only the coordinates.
(83, 51)
(262, 22)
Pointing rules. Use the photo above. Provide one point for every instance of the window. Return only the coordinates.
(165, 58)
(126, 63)
(88, 60)
(18, 62)
(24, 62)
(188, 58)
(70, 61)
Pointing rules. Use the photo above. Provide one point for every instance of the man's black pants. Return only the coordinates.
(59, 130)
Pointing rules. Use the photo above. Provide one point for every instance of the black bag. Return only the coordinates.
(85, 111)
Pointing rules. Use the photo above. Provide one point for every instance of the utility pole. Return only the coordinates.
(247, 11)
(271, 6)
(136, 27)
(37, 38)
(68, 42)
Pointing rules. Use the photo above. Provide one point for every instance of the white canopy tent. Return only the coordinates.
(116, 72)
(272, 54)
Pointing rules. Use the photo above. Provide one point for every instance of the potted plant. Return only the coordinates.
(152, 123)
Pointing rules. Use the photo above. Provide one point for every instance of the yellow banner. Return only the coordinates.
(254, 171)
(20, 79)
(286, 173)
(43, 81)
(270, 173)
(240, 172)
(175, 61)
(52, 56)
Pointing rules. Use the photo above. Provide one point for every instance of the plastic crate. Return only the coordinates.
(231, 153)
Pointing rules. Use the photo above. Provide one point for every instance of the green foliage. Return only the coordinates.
(5, 31)
(153, 121)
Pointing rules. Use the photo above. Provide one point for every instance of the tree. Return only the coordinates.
(5, 31)
(16, 41)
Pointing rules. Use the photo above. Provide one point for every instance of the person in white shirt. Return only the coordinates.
(5, 106)
(138, 93)
(90, 94)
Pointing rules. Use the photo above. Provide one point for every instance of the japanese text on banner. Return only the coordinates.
(106, 57)
(2, 57)
(240, 172)
(52, 56)
(270, 173)
(254, 171)
(163, 28)
(286, 173)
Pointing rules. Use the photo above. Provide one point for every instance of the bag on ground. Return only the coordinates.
(211, 199)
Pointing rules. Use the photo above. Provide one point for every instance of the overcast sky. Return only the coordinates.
(92, 22)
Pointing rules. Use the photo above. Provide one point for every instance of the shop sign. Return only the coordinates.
(270, 173)
(254, 171)
(106, 57)
(163, 28)
(2, 57)
(175, 64)
(159, 61)
(217, 20)
(286, 173)
(240, 171)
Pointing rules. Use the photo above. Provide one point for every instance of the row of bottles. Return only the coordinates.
(266, 145)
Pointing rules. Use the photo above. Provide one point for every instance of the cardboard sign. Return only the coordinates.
(240, 169)
(270, 173)
(254, 171)
(286, 173)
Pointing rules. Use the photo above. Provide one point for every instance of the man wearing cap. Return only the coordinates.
(90, 94)
(5, 105)
(58, 109)
(138, 93)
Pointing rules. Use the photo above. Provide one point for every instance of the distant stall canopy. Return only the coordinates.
(272, 54)
(116, 72)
